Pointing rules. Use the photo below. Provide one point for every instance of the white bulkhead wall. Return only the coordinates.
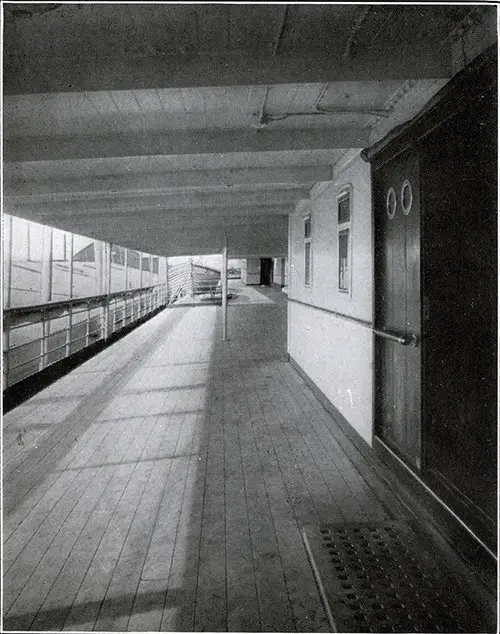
(250, 271)
(334, 351)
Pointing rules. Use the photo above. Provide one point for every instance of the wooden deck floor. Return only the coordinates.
(162, 485)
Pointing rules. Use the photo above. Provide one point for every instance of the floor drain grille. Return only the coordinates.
(384, 578)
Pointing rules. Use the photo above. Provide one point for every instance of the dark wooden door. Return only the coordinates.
(397, 307)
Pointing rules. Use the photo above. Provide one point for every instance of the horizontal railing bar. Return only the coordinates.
(74, 301)
(40, 339)
(52, 334)
(141, 302)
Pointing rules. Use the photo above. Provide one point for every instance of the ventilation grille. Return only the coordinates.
(383, 578)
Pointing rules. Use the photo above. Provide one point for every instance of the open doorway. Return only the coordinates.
(266, 271)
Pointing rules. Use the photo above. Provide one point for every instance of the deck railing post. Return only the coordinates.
(45, 340)
(7, 285)
(87, 325)
(6, 346)
(224, 290)
(67, 350)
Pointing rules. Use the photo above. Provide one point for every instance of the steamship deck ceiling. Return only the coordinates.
(164, 127)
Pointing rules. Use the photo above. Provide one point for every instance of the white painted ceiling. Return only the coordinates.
(164, 127)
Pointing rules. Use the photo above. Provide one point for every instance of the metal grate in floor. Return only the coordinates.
(386, 578)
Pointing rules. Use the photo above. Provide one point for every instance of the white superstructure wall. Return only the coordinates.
(330, 334)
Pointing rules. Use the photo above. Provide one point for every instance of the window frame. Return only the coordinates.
(344, 227)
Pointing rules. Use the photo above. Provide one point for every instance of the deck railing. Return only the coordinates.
(37, 336)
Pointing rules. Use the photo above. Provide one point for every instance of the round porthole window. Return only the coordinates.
(406, 197)
(390, 203)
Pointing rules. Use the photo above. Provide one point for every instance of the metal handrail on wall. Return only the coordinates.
(38, 336)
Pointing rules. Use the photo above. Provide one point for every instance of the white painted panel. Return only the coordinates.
(250, 271)
(338, 356)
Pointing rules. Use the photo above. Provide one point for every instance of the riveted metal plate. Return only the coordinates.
(386, 578)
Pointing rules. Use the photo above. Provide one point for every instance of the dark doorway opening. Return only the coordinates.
(266, 271)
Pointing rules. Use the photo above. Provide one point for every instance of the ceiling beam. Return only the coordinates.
(133, 204)
(17, 182)
(149, 217)
(150, 164)
(422, 59)
(178, 228)
(193, 142)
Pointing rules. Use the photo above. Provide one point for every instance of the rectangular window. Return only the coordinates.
(307, 251)
(134, 259)
(118, 255)
(60, 251)
(344, 260)
(344, 240)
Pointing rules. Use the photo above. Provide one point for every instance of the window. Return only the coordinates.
(307, 251)
(134, 259)
(60, 246)
(344, 239)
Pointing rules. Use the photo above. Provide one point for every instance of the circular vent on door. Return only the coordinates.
(390, 203)
(406, 197)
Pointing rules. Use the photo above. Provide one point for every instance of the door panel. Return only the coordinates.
(397, 307)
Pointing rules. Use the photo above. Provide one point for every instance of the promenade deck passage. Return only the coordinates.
(162, 485)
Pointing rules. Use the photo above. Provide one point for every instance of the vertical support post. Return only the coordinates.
(87, 325)
(191, 278)
(108, 289)
(46, 290)
(127, 275)
(71, 269)
(68, 330)
(142, 305)
(7, 284)
(100, 276)
(126, 269)
(45, 340)
(6, 355)
(224, 290)
(99, 266)
(7, 263)
(70, 306)
(167, 289)
(151, 292)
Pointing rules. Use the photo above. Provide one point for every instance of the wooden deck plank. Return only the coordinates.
(57, 604)
(177, 613)
(306, 605)
(21, 569)
(117, 605)
(243, 608)
(22, 535)
(211, 608)
(180, 507)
